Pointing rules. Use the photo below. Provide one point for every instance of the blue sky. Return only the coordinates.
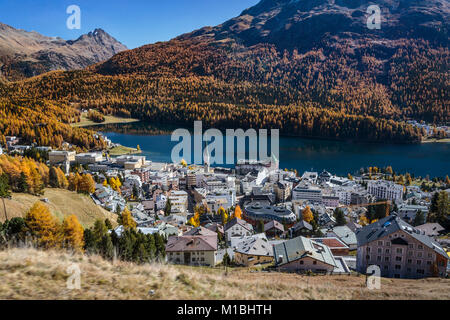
(133, 22)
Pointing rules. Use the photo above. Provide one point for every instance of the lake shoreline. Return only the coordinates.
(190, 129)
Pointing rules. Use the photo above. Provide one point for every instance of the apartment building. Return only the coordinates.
(192, 250)
(178, 201)
(307, 192)
(386, 190)
(399, 250)
(88, 158)
(59, 157)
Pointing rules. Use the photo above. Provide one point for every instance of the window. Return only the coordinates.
(367, 257)
(386, 259)
(420, 247)
(429, 263)
(398, 267)
(380, 250)
(420, 271)
(410, 253)
(380, 243)
(388, 244)
(419, 254)
(379, 258)
(430, 255)
(411, 246)
(419, 262)
(409, 261)
(314, 262)
(399, 250)
(398, 258)
(388, 251)
(368, 249)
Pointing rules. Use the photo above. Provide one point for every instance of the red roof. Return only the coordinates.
(332, 243)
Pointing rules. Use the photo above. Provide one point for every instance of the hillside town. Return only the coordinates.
(259, 215)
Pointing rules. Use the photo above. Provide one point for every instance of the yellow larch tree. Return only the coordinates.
(307, 214)
(237, 212)
(73, 233)
(43, 225)
(127, 220)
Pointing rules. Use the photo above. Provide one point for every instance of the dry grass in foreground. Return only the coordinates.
(33, 274)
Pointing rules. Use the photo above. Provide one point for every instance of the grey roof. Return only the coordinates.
(392, 224)
(431, 229)
(200, 231)
(241, 222)
(234, 241)
(344, 233)
(255, 246)
(302, 247)
(302, 225)
(273, 225)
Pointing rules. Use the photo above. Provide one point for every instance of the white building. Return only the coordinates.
(88, 158)
(161, 201)
(386, 190)
(307, 192)
(178, 201)
(237, 228)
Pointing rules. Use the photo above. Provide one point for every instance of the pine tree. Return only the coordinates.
(89, 241)
(23, 183)
(108, 224)
(340, 217)
(99, 231)
(419, 219)
(168, 208)
(106, 247)
(53, 178)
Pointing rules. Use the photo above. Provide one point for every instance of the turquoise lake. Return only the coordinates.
(338, 157)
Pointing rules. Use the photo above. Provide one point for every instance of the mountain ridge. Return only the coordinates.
(340, 85)
(25, 54)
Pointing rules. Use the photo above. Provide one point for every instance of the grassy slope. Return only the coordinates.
(85, 122)
(32, 274)
(61, 204)
(121, 150)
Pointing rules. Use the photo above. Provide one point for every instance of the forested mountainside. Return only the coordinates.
(257, 70)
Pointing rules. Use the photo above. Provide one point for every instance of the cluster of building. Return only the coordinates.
(271, 230)
(430, 129)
